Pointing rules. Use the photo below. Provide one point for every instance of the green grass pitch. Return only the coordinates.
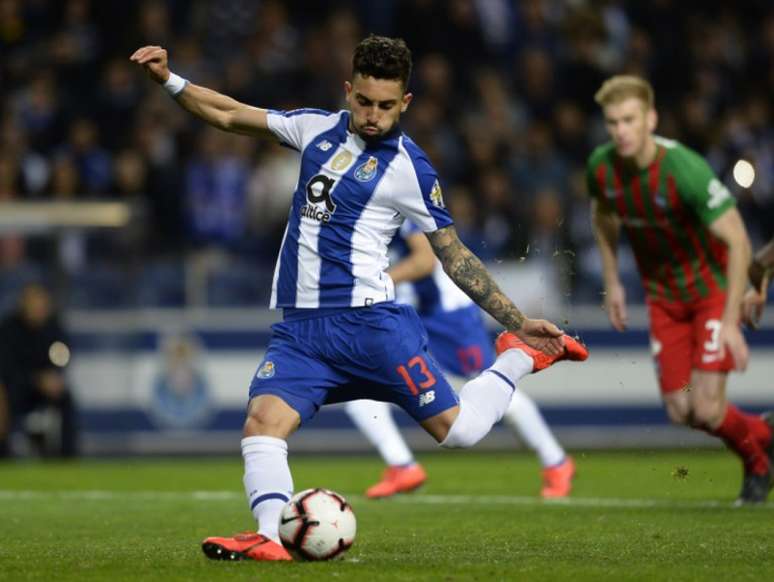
(633, 516)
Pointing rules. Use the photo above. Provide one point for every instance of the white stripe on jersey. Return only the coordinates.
(309, 265)
(272, 302)
(411, 207)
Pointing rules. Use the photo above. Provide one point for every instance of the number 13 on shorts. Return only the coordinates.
(416, 374)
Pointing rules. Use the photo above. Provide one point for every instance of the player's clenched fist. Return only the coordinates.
(154, 61)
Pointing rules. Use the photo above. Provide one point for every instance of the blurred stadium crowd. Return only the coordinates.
(504, 107)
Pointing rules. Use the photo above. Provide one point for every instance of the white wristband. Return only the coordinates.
(174, 84)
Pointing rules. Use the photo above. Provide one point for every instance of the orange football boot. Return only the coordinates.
(557, 480)
(397, 480)
(248, 545)
(573, 350)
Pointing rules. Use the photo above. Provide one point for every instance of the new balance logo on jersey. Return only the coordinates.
(324, 145)
(426, 397)
(318, 191)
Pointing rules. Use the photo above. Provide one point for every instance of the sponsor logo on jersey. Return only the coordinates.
(436, 196)
(718, 193)
(324, 145)
(267, 370)
(320, 205)
(366, 171)
(426, 397)
(341, 160)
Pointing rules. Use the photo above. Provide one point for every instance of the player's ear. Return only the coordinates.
(407, 97)
(652, 119)
(347, 89)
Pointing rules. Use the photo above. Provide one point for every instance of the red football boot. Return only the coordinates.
(248, 545)
(573, 350)
(557, 480)
(397, 480)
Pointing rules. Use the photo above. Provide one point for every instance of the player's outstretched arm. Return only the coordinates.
(607, 227)
(730, 229)
(419, 263)
(470, 275)
(215, 108)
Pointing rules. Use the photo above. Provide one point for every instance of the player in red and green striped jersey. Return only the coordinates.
(692, 252)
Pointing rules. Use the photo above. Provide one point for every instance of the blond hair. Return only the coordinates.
(621, 87)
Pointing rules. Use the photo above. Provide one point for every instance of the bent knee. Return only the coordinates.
(679, 414)
(708, 415)
(270, 416)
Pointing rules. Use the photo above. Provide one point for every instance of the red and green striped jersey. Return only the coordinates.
(665, 210)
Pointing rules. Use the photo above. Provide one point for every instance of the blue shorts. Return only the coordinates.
(329, 356)
(459, 340)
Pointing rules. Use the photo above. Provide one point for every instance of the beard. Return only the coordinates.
(379, 135)
(371, 137)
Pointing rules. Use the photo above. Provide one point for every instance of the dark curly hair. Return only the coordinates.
(382, 57)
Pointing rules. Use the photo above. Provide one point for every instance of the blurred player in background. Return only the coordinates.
(460, 343)
(692, 252)
(34, 354)
(342, 336)
(760, 272)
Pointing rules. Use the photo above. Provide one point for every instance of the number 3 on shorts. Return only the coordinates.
(416, 362)
(713, 325)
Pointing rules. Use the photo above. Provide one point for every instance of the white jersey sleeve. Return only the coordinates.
(297, 128)
(420, 199)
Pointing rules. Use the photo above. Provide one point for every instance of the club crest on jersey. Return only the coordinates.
(367, 170)
(436, 196)
(266, 371)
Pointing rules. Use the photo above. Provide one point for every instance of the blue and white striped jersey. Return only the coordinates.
(350, 199)
(436, 293)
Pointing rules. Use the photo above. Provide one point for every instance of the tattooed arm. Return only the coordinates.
(470, 275)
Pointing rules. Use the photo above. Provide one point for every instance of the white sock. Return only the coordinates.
(484, 400)
(267, 480)
(374, 419)
(513, 364)
(524, 417)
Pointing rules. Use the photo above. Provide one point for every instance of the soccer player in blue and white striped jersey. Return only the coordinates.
(342, 336)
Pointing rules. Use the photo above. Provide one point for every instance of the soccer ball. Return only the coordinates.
(317, 524)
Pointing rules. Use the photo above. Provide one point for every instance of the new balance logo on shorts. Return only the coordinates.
(426, 397)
